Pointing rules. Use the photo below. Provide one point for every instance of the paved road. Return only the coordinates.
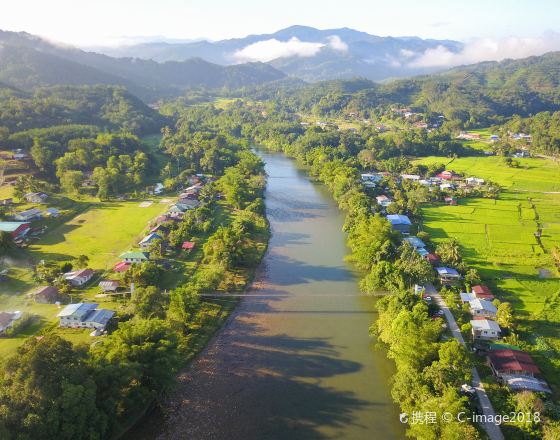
(493, 430)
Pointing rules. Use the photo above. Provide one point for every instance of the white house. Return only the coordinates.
(474, 181)
(85, 315)
(481, 307)
(485, 329)
(79, 277)
(159, 188)
(28, 215)
(36, 197)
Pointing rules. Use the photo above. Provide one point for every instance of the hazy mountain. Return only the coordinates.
(305, 52)
(27, 61)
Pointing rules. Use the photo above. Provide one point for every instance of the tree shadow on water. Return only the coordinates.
(248, 384)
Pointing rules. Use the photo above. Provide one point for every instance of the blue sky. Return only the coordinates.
(96, 22)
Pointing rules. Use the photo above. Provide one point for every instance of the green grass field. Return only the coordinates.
(102, 232)
(497, 237)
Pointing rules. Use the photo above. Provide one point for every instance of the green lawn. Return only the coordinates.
(497, 237)
(102, 232)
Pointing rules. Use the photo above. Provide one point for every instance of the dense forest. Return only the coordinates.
(475, 95)
(107, 107)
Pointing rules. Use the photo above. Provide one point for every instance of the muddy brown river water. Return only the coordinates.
(295, 362)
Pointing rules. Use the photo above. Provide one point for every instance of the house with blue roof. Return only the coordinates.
(400, 223)
(448, 275)
(149, 239)
(85, 315)
(415, 242)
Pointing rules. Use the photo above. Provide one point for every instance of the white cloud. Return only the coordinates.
(336, 43)
(488, 49)
(268, 50)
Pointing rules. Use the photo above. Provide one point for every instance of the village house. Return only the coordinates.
(432, 258)
(149, 239)
(410, 177)
(36, 197)
(448, 275)
(7, 320)
(121, 266)
(468, 136)
(383, 200)
(481, 307)
(485, 329)
(6, 202)
(447, 186)
(371, 179)
(19, 154)
(85, 315)
(466, 297)
(475, 181)
(52, 212)
(400, 223)
(187, 246)
(28, 215)
(135, 257)
(423, 252)
(159, 188)
(448, 175)
(451, 201)
(160, 229)
(17, 229)
(482, 292)
(189, 203)
(517, 370)
(109, 285)
(78, 277)
(45, 294)
(415, 242)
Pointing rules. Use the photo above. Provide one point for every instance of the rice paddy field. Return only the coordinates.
(498, 238)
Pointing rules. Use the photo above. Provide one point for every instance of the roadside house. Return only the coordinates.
(448, 275)
(482, 292)
(415, 242)
(78, 277)
(485, 329)
(400, 223)
(481, 307)
(45, 295)
(517, 370)
(466, 297)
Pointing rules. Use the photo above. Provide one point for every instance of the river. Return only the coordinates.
(295, 362)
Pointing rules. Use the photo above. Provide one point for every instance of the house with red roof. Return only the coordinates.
(509, 361)
(482, 292)
(188, 245)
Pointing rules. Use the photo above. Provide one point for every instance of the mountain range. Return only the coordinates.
(305, 52)
(27, 62)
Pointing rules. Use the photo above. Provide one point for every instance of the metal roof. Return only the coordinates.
(77, 309)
